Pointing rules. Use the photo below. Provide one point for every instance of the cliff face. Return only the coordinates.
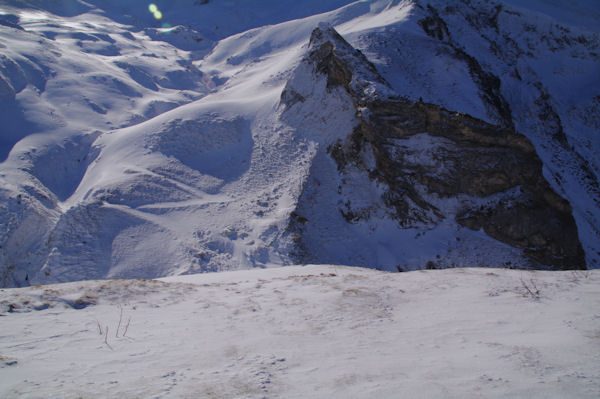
(433, 167)
(470, 159)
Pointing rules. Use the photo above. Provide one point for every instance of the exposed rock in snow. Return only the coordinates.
(213, 140)
(250, 134)
(432, 165)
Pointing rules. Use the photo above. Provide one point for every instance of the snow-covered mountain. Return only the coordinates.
(150, 141)
(225, 135)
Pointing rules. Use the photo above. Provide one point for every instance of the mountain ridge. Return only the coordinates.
(385, 128)
(203, 160)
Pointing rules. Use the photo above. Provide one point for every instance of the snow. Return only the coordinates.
(310, 332)
(136, 148)
(144, 148)
(578, 12)
(180, 166)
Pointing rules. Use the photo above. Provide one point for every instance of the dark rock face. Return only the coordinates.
(335, 58)
(476, 160)
(425, 154)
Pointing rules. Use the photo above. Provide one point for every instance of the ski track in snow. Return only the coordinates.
(306, 332)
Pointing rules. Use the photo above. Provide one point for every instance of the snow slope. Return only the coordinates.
(139, 201)
(145, 148)
(140, 148)
(307, 332)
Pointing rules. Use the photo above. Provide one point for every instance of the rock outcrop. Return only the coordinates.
(438, 166)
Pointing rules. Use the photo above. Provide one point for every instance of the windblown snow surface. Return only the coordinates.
(140, 149)
(307, 332)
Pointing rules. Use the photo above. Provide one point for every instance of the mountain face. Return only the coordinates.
(424, 134)
(432, 168)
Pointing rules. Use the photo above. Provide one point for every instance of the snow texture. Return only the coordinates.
(140, 148)
(307, 332)
(138, 154)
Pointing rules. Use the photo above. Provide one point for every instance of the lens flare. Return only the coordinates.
(153, 8)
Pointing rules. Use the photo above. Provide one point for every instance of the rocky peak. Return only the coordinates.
(344, 66)
(336, 58)
(434, 168)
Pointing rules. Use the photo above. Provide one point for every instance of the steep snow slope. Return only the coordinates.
(528, 64)
(147, 204)
(307, 332)
(165, 150)
(144, 78)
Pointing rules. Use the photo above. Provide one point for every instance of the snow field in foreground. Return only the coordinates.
(306, 332)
